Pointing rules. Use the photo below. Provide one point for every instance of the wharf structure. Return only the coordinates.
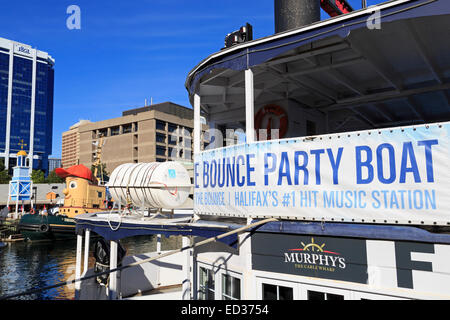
(352, 195)
(43, 194)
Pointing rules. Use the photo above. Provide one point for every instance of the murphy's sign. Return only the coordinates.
(396, 175)
(311, 256)
(420, 266)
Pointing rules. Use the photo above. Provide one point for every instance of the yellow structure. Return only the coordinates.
(81, 196)
(82, 193)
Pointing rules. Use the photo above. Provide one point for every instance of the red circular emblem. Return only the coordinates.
(270, 116)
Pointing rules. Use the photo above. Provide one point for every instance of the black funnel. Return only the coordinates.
(292, 14)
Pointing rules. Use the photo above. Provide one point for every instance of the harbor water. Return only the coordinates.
(30, 265)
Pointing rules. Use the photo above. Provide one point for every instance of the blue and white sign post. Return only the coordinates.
(395, 175)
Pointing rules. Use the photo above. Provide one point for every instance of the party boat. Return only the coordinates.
(327, 177)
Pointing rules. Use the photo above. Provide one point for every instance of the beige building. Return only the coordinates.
(160, 132)
(70, 153)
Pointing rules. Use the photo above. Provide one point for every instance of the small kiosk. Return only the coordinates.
(20, 186)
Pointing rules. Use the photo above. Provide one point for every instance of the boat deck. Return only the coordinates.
(172, 292)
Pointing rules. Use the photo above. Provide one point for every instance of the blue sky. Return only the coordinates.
(127, 51)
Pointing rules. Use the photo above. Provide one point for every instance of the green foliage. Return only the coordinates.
(38, 176)
(4, 176)
(54, 178)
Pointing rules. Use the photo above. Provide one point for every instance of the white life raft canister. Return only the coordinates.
(150, 185)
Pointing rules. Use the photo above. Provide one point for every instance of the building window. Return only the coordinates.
(127, 128)
(172, 127)
(160, 151)
(187, 143)
(274, 292)
(173, 140)
(231, 287)
(160, 125)
(160, 137)
(115, 131)
(206, 284)
(102, 132)
(320, 296)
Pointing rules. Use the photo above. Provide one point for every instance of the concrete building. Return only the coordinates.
(159, 132)
(70, 153)
(53, 163)
(26, 103)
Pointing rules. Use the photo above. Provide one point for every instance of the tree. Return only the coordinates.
(4, 175)
(38, 176)
(54, 178)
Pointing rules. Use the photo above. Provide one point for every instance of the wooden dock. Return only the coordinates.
(13, 238)
(9, 231)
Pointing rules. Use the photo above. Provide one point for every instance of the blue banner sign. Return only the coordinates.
(395, 175)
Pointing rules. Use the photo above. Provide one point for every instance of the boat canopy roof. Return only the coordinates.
(387, 72)
(113, 228)
(363, 231)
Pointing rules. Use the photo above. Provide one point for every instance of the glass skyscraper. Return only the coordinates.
(26, 103)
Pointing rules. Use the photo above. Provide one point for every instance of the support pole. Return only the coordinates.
(78, 265)
(186, 290)
(113, 276)
(245, 250)
(86, 250)
(197, 124)
(249, 106)
(16, 214)
(158, 243)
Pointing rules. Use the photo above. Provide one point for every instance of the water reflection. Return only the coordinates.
(31, 265)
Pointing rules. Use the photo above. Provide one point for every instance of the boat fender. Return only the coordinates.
(32, 211)
(44, 228)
